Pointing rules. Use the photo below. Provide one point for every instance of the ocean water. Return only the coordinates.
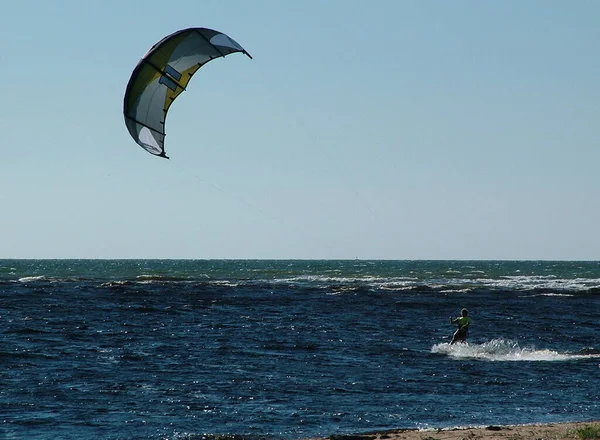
(152, 349)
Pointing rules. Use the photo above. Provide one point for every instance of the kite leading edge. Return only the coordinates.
(162, 74)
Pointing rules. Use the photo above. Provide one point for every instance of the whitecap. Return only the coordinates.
(32, 279)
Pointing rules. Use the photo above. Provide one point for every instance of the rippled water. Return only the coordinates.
(291, 349)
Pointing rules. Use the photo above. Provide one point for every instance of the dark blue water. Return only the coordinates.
(292, 349)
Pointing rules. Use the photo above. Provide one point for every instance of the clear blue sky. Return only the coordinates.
(361, 129)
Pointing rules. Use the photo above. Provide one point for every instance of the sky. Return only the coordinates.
(383, 129)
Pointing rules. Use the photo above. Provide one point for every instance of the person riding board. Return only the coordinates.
(463, 321)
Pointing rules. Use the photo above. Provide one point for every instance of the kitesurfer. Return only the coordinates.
(463, 321)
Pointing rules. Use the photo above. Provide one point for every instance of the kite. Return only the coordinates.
(160, 77)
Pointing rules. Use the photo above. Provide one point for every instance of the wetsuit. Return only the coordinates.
(460, 335)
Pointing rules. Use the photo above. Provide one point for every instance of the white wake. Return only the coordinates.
(505, 350)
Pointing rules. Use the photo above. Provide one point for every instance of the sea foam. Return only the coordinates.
(504, 350)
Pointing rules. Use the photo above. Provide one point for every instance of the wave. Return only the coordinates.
(157, 278)
(33, 279)
(41, 279)
(507, 350)
(346, 279)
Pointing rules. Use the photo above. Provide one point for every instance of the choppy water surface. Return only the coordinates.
(154, 349)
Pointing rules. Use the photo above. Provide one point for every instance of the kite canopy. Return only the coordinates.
(162, 74)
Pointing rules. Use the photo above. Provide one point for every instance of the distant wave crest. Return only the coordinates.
(333, 277)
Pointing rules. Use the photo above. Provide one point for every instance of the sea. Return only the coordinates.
(286, 349)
